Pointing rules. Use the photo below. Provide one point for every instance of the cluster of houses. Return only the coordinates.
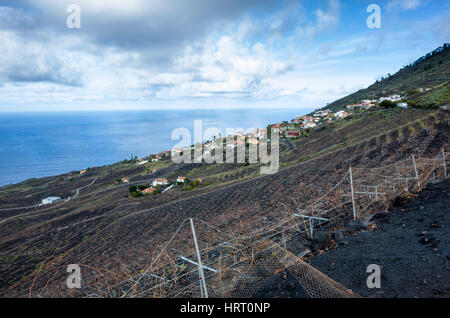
(364, 104)
(320, 116)
(254, 137)
(286, 129)
(142, 161)
(153, 158)
(157, 182)
(367, 104)
(162, 182)
(305, 122)
(392, 98)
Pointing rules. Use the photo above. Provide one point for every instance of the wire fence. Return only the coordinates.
(204, 260)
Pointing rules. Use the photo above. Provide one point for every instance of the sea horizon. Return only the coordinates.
(49, 143)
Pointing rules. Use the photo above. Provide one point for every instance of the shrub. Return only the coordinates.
(143, 186)
(388, 104)
(136, 194)
(132, 189)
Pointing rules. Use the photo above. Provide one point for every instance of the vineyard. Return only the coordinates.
(246, 234)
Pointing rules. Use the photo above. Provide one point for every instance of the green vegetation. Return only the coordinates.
(428, 72)
(189, 185)
(157, 165)
(134, 192)
(431, 99)
(388, 104)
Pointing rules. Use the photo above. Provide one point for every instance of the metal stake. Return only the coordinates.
(353, 194)
(415, 170)
(443, 159)
(203, 289)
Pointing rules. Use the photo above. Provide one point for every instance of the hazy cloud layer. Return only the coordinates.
(140, 52)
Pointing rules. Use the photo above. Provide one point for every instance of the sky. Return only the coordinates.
(163, 54)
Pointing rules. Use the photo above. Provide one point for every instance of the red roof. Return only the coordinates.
(149, 190)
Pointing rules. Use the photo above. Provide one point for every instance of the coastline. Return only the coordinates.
(80, 140)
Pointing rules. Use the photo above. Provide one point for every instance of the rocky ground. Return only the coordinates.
(411, 244)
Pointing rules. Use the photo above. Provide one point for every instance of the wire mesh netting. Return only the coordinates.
(243, 259)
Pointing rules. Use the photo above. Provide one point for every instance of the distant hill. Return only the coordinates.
(424, 83)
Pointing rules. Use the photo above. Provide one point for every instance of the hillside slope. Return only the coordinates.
(108, 229)
(414, 264)
(431, 71)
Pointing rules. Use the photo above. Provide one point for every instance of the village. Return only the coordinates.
(300, 126)
(293, 129)
(288, 130)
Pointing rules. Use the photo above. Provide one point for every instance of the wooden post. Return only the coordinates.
(353, 193)
(203, 289)
(415, 170)
(443, 160)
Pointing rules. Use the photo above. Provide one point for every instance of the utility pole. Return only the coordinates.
(353, 193)
(203, 289)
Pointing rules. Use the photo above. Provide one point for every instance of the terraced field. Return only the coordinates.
(103, 228)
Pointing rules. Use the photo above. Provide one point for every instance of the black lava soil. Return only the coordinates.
(411, 244)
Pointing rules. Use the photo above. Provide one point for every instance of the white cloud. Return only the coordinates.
(325, 20)
(176, 51)
(404, 4)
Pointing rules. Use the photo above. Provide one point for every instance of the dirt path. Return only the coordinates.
(34, 213)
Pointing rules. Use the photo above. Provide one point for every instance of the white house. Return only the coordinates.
(181, 179)
(51, 200)
(392, 98)
(310, 124)
(321, 113)
(341, 114)
(143, 162)
(160, 181)
(402, 105)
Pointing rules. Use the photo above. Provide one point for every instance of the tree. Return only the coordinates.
(388, 104)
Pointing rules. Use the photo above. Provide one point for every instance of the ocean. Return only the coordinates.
(40, 144)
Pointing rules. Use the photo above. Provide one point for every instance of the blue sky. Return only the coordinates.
(206, 54)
